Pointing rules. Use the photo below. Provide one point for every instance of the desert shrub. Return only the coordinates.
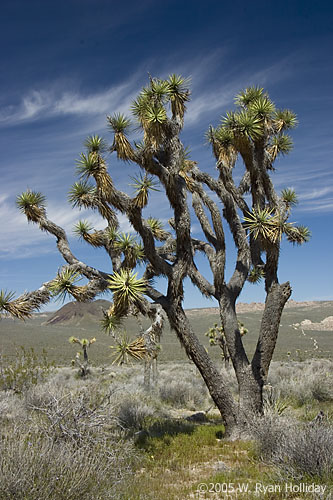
(81, 416)
(273, 402)
(182, 394)
(303, 382)
(34, 467)
(67, 446)
(297, 449)
(25, 370)
(135, 408)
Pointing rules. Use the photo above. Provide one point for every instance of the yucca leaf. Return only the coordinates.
(247, 96)
(32, 204)
(95, 144)
(289, 197)
(81, 194)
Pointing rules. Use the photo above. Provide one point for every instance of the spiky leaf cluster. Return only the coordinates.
(64, 284)
(82, 195)
(120, 125)
(156, 227)
(150, 108)
(222, 142)
(82, 230)
(298, 234)
(255, 120)
(256, 275)
(23, 306)
(268, 227)
(143, 185)
(279, 144)
(263, 224)
(95, 144)
(32, 204)
(289, 197)
(93, 165)
(284, 119)
(110, 322)
(127, 290)
(133, 252)
(124, 350)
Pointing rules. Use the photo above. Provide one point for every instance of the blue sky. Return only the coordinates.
(65, 65)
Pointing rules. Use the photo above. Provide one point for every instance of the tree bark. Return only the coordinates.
(215, 383)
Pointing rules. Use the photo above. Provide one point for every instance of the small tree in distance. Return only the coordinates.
(254, 213)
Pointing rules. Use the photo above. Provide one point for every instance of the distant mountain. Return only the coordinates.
(88, 313)
(78, 313)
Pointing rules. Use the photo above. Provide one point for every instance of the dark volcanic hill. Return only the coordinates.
(78, 313)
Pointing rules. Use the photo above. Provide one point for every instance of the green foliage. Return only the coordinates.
(110, 322)
(125, 349)
(285, 119)
(127, 289)
(87, 165)
(32, 204)
(248, 96)
(256, 275)
(5, 299)
(82, 228)
(81, 194)
(142, 186)
(25, 370)
(64, 283)
(95, 144)
(263, 223)
(156, 227)
(289, 197)
(298, 234)
(20, 308)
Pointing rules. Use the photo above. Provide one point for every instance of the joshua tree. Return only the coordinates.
(84, 343)
(251, 137)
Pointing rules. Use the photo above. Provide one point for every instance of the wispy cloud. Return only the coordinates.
(22, 240)
(42, 103)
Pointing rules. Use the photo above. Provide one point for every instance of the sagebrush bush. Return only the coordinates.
(66, 445)
(25, 370)
(135, 408)
(303, 382)
(297, 449)
(34, 467)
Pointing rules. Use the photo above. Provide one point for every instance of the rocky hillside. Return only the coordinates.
(78, 313)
